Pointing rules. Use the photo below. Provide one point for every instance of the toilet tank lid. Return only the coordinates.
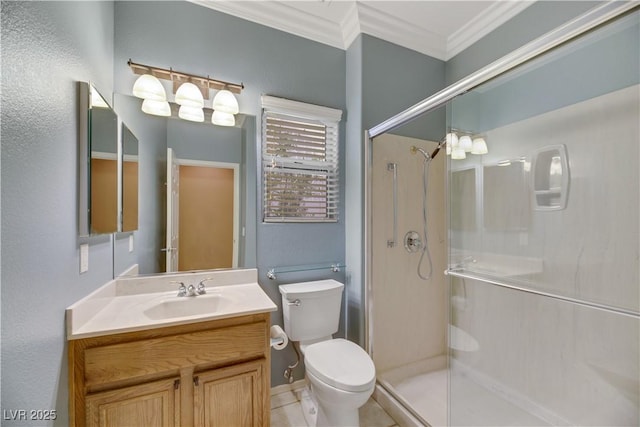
(316, 288)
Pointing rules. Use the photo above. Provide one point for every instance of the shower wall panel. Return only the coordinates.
(408, 315)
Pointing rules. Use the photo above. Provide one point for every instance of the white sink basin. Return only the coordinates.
(174, 307)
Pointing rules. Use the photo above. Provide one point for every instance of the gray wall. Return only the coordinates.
(46, 48)
(383, 79)
(267, 61)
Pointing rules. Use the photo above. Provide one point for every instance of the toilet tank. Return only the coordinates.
(311, 309)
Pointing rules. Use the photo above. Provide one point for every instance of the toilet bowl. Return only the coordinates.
(341, 375)
(342, 378)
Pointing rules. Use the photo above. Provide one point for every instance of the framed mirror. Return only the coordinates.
(98, 183)
(216, 196)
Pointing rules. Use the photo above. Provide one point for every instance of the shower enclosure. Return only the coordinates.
(532, 314)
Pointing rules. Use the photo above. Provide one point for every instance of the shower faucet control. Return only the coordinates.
(412, 242)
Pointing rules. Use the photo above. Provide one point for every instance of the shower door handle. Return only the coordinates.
(393, 167)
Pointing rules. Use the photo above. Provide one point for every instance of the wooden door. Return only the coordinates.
(206, 217)
(230, 396)
(154, 404)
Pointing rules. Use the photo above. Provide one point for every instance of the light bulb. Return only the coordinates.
(223, 119)
(149, 87)
(465, 143)
(156, 108)
(452, 139)
(193, 114)
(479, 146)
(225, 102)
(458, 153)
(189, 95)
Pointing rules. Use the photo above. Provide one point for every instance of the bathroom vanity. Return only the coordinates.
(157, 364)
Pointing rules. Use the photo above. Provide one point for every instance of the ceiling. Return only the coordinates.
(440, 29)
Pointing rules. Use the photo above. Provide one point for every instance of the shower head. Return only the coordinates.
(415, 150)
(426, 155)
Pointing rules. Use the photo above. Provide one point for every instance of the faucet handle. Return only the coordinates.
(201, 288)
(182, 290)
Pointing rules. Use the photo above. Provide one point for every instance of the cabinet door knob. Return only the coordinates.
(196, 381)
(176, 384)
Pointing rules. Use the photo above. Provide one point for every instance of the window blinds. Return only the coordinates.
(300, 164)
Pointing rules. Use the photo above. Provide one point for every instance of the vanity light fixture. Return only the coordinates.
(465, 143)
(458, 146)
(479, 146)
(189, 95)
(458, 153)
(223, 119)
(193, 114)
(149, 87)
(190, 91)
(225, 102)
(156, 108)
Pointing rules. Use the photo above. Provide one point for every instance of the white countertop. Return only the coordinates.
(132, 304)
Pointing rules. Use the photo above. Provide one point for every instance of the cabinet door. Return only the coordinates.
(232, 396)
(154, 404)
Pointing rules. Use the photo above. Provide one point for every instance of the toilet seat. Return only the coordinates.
(341, 364)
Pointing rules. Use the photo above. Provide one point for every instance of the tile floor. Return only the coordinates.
(287, 412)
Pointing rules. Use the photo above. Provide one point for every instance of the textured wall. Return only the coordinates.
(46, 48)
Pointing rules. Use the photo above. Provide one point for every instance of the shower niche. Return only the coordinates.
(550, 178)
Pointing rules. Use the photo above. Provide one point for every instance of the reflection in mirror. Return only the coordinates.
(129, 180)
(216, 168)
(98, 164)
(463, 205)
(505, 196)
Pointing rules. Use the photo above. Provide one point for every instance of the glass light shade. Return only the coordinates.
(193, 114)
(223, 119)
(479, 146)
(149, 87)
(448, 148)
(156, 108)
(225, 102)
(458, 153)
(452, 139)
(189, 95)
(465, 143)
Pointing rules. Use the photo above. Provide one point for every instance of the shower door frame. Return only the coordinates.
(570, 30)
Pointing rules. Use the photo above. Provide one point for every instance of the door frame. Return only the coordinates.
(236, 196)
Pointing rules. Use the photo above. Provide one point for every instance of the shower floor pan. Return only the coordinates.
(423, 388)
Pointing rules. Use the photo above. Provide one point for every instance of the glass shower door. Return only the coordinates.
(544, 240)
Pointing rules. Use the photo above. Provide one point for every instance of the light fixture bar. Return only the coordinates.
(179, 77)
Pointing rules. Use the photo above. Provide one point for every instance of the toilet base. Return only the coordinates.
(316, 416)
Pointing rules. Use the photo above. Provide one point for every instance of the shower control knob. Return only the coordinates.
(412, 242)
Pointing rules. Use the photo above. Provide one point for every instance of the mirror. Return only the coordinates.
(129, 180)
(220, 164)
(98, 150)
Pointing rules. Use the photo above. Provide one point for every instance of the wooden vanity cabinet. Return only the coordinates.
(214, 373)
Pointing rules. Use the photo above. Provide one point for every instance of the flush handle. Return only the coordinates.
(295, 302)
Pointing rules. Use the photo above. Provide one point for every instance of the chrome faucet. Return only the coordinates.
(191, 291)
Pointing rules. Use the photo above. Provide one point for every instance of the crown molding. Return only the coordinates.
(363, 18)
(400, 32)
(281, 17)
(490, 19)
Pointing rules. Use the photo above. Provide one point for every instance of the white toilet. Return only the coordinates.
(341, 373)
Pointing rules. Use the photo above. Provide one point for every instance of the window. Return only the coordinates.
(299, 161)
